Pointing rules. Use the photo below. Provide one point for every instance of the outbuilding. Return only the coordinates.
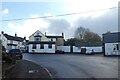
(111, 43)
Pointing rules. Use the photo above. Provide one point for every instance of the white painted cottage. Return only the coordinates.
(12, 42)
(111, 43)
(40, 43)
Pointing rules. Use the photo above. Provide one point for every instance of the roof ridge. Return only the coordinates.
(16, 38)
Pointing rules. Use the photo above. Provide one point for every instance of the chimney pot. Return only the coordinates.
(15, 35)
(2, 32)
(45, 33)
(62, 34)
(24, 38)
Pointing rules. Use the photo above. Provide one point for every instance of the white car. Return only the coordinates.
(91, 51)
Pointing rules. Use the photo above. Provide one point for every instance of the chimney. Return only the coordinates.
(24, 38)
(15, 35)
(45, 33)
(62, 34)
(2, 32)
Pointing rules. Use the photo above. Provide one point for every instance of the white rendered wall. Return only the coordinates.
(4, 40)
(96, 49)
(64, 48)
(45, 50)
(76, 49)
(109, 49)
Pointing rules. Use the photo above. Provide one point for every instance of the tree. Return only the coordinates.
(79, 33)
(85, 35)
(70, 42)
(91, 37)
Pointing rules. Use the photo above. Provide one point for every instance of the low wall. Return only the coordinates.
(96, 49)
(78, 49)
(64, 48)
(68, 49)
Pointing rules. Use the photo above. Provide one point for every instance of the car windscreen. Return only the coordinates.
(15, 50)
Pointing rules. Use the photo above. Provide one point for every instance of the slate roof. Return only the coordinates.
(111, 37)
(40, 42)
(15, 38)
(54, 36)
(12, 44)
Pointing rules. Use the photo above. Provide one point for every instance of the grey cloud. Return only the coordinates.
(57, 26)
(99, 25)
(106, 22)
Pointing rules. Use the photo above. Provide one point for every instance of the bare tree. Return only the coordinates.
(84, 34)
(80, 32)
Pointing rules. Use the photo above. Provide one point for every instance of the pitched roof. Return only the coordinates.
(54, 36)
(111, 37)
(35, 32)
(15, 38)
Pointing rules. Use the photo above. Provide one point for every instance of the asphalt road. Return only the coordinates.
(76, 66)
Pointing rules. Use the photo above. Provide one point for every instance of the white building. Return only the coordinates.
(111, 43)
(12, 42)
(40, 43)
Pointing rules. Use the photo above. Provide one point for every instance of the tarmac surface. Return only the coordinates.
(76, 65)
(28, 70)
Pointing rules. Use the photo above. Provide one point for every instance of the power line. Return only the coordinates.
(58, 15)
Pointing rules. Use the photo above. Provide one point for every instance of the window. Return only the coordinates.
(117, 46)
(51, 39)
(50, 46)
(37, 39)
(11, 42)
(41, 46)
(34, 46)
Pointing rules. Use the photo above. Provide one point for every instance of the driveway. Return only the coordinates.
(76, 66)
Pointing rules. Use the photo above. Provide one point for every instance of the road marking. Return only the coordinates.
(32, 71)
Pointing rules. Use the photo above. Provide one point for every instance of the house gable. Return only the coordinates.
(43, 37)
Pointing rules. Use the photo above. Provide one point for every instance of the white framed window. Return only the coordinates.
(49, 45)
(116, 46)
(41, 46)
(34, 46)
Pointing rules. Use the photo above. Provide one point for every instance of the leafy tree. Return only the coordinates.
(71, 42)
(91, 37)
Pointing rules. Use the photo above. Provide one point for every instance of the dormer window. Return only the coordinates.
(37, 37)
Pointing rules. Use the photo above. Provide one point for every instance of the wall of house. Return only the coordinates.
(43, 38)
(54, 39)
(19, 44)
(4, 40)
(109, 49)
(11, 47)
(38, 50)
(59, 42)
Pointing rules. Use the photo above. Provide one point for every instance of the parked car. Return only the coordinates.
(59, 52)
(16, 53)
(90, 52)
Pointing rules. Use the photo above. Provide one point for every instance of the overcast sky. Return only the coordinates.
(99, 21)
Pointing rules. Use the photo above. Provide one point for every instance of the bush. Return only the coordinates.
(3, 48)
(7, 58)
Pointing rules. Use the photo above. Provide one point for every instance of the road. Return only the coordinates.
(76, 66)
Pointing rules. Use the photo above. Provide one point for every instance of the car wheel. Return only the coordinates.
(21, 57)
